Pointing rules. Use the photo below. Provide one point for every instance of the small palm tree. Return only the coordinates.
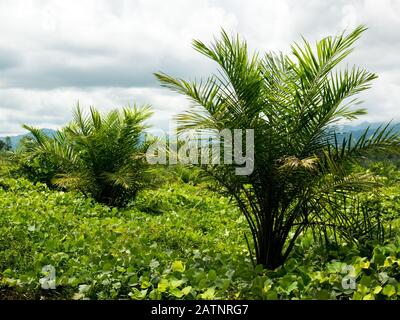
(292, 102)
(102, 156)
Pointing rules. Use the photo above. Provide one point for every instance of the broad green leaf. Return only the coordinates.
(377, 289)
(163, 285)
(389, 261)
(186, 290)
(174, 283)
(369, 296)
(209, 294)
(145, 284)
(389, 290)
(212, 275)
(177, 293)
(364, 264)
(178, 266)
(138, 294)
(362, 289)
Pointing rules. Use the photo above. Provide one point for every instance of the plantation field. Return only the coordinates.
(176, 242)
(295, 209)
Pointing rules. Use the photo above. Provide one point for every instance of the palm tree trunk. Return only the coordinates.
(270, 254)
(270, 246)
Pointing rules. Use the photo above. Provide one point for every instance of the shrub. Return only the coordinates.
(99, 155)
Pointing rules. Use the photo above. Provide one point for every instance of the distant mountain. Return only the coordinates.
(342, 130)
(16, 139)
(357, 130)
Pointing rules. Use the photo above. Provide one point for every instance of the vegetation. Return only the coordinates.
(185, 242)
(102, 156)
(320, 214)
(5, 145)
(291, 102)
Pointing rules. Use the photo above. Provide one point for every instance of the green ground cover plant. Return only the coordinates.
(185, 242)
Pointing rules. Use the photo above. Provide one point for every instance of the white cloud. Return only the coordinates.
(53, 108)
(104, 52)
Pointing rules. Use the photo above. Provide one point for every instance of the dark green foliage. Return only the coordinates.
(36, 168)
(353, 219)
(187, 174)
(101, 156)
(5, 145)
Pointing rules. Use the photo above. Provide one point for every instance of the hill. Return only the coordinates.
(343, 130)
(16, 139)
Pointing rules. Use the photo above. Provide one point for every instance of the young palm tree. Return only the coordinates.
(102, 156)
(291, 102)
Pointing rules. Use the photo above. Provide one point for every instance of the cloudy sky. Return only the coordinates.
(104, 52)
